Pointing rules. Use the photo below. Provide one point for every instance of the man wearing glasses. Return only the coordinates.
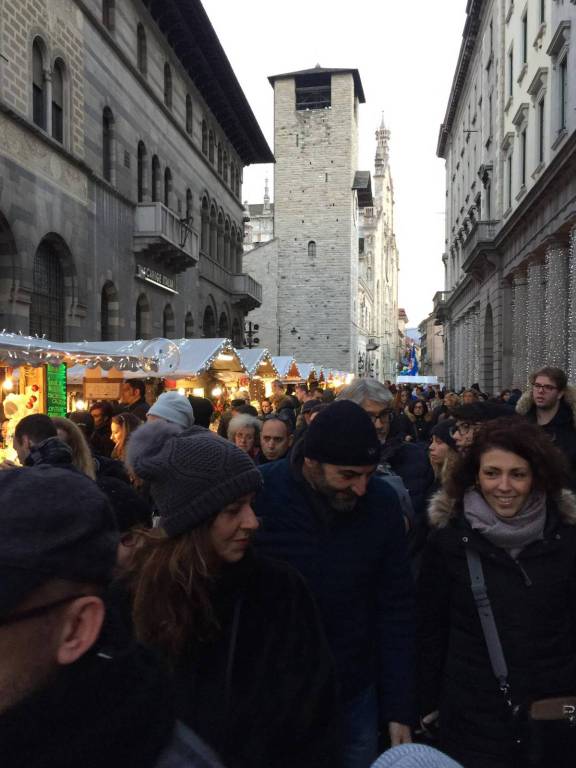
(469, 419)
(551, 404)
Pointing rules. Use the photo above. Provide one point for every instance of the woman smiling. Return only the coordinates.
(500, 570)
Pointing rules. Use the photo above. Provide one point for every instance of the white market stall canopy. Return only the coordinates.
(17, 349)
(258, 361)
(307, 369)
(287, 368)
(189, 358)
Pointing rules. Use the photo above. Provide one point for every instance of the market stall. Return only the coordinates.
(261, 370)
(309, 372)
(288, 371)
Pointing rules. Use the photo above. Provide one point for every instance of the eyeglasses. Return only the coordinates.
(463, 428)
(382, 417)
(545, 387)
(33, 613)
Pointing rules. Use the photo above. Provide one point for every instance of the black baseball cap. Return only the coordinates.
(55, 523)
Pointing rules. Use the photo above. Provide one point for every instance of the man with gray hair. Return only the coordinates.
(404, 465)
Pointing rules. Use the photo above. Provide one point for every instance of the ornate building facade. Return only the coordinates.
(123, 135)
(509, 142)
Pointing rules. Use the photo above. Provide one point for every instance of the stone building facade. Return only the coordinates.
(432, 348)
(509, 142)
(123, 135)
(258, 221)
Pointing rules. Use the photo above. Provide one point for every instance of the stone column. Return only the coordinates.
(571, 339)
(476, 346)
(535, 355)
(556, 304)
(519, 330)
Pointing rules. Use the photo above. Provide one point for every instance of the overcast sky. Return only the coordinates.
(406, 53)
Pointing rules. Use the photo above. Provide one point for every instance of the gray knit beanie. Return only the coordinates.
(193, 474)
(414, 756)
(174, 407)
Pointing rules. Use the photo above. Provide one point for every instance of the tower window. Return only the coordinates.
(312, 249)
(313, 91)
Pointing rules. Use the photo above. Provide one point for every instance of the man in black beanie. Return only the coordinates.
(324, 511)
(74, 690)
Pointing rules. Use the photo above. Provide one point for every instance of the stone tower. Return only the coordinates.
(316, 213)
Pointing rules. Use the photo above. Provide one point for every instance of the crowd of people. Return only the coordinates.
(307, 583)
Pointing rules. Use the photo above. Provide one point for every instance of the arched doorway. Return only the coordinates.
(488, 356)
(8, 261)
(223, 326)
(47, 303)
(142, 317)
(168, 322)
(109, 312)
(209, 323)
(189, 326)
(237, 333)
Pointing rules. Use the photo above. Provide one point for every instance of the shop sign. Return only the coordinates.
(101, 390)
(56, 390)
(156, 278)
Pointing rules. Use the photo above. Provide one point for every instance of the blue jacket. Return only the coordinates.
(356, 565)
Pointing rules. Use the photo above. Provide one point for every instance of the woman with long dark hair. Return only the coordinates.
(506, 524)
(241, 632)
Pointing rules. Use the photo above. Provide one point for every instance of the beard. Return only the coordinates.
(339, 501)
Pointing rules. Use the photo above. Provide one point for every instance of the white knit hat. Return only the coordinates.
(414, 756)
(174, 408)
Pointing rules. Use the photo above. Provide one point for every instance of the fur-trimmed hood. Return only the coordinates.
(442, 509)
(526, 402)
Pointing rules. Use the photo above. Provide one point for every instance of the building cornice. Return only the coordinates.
(469, 37)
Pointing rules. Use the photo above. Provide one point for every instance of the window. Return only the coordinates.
(142, 317)
(360, 245)
(108, 312)
(541, 131)
(509, 182)
(490, 114)
(167, 187)
(220, 159)
(155, 179)
(142, 163)
(488, 201)
(204, 137)
(491, 36)
(542, 11)
(108, 11)
(189, 114)
(225, 168)
(189, 326)
(525, 37)
(142, 52)
(313, 91)
(167, 85)
(211, 146)
(510, 72)
(47, 301)
(563, 94)
(189, 204)
(312, 249)
(168, 322)
(523, 158)
(108, 145)
(205, 227)
(209, 323)
(58, 101)
(38, 86)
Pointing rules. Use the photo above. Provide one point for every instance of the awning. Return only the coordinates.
(307, 369)
(287, 368)
(192, 357)
(259, 361)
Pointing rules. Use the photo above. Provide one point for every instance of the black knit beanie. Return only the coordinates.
(193, 473)
(342, 434)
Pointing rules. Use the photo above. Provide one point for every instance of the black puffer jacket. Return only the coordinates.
(410, 462)
(263, 693)
(534, 604)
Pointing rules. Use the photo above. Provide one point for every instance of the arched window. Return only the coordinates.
(237, 340)
(189, 326)
(227, 244)
(47, 301)
(220, 239)
(189, 115)
(167, 85)
(220, 159)
(109, 312)
(142, 166)
(58, 101)
(239, 253)
(108, 145)
(155, 179)
(223, 326)
(189, 205)
(204, 137)
(312, 249)
(209, 323)
(108, 12)
(213, 233)
(142, 49)
(142, 317)
(168, 322)
(205, 228)
(167, 187)
(38, 85)
(211, 146)
(232, 182)
(225, 168)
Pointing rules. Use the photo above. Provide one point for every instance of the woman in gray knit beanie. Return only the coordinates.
(252, 670)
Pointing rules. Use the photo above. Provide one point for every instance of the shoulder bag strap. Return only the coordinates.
(489, 628)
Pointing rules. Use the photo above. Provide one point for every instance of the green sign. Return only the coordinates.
(56, 390)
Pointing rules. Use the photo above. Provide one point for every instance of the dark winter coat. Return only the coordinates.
(140, 408)
(100, 713)
(410, 462)
(419, 428)
(357, 567)
(52, 451)
(534, 604)
(562, 428)
(263, 692)
(101, 441)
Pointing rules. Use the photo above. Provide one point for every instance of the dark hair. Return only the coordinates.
(557, 375)
(137, 385)
(286, 420)
(203, 410)
(248, 409)
(105, 407)
(479, 411)
(36, 427)
(237, 402)
(84, 420)
(303, 387)
(515, 435)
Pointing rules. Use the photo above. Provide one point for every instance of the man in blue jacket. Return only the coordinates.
(325, 512)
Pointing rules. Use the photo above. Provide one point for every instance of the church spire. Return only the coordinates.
(266, 197)
(382, 148)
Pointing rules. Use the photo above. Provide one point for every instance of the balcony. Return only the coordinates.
(245, 291)
(164, 237)
(441, 299)
(479, 250)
